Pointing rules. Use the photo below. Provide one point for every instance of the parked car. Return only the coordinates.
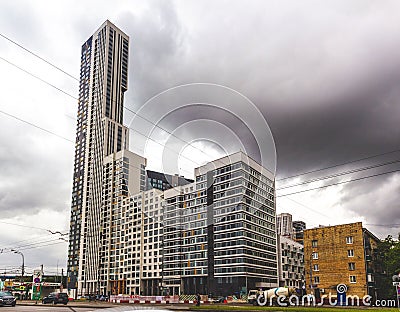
(101, 297)
(6, 298)
(218, 299)
(92, 297)
(55, 298)
(89, 297)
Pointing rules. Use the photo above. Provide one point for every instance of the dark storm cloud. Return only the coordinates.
(324, 74)
(328, 91)
(337, 132)
(155, 45)
(326, 77)
(377, 198)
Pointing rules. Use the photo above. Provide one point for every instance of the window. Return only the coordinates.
(352, 266)
(316, 279)
(350, 253)
(315, 255)
(314, 243)
(349, 240)
(353, 279)
(316, 267)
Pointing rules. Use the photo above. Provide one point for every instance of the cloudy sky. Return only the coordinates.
(324, 75)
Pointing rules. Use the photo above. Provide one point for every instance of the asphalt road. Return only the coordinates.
(49, 308)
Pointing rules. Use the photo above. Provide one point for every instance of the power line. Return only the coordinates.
(191, 160)
(304, 173)
(55, 134)
(50, 132)
(338, 183)
(37, 77)
(38, 56)
(338, 165)
(38, 242)
(25, 245)
(26, 226)
(307, 207)
(63, 71)
(172, 134)
(10, 245)
(60, 242)
(70, 95)
(40, 246)
(32, 241)
(36, 126)
(390, 225)
(341, 174)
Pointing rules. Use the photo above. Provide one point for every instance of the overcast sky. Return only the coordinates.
(325, 75)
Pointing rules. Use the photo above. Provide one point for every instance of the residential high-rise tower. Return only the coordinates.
(104, 169)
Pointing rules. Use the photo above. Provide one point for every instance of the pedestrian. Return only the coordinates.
(198, 298)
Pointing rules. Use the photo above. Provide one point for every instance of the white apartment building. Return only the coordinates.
(291, 263)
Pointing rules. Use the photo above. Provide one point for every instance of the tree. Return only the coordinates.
(389, 254)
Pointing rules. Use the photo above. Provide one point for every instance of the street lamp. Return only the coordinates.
(23, 260)
(311, 282)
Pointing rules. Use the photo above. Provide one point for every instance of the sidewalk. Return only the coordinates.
(102, 304)
(72, 304)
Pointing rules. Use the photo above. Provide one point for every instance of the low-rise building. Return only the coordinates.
(291, 263)
(341, 254)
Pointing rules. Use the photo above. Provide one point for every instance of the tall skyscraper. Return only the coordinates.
(104, 169)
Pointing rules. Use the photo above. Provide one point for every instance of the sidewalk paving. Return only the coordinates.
(73, 304)
(102, 304)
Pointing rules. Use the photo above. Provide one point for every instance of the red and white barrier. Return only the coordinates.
(144, 299)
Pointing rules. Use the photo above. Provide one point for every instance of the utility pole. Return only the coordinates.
(311, 284)
(23, 260)
(62, 280)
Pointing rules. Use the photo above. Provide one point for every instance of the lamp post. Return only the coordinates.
(311, 283)
(23, 260)
(396, 284)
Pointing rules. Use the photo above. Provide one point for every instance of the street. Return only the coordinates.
(29, 308)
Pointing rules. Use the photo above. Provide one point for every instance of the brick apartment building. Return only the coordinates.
(341, 254)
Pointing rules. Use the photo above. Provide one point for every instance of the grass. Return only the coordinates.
(289, 309)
